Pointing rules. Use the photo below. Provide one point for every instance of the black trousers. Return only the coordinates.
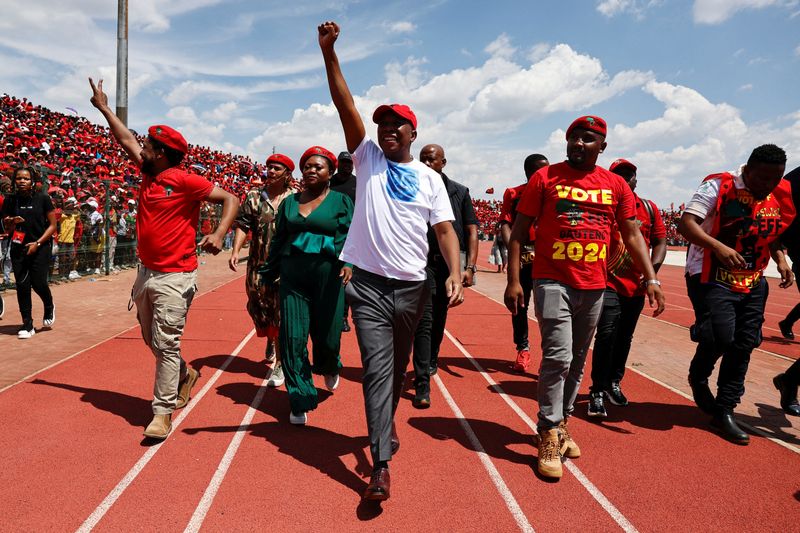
(519, 322)
(30, 272)
(430, 329)
(794, 314)
(612, 342)
(728, 326)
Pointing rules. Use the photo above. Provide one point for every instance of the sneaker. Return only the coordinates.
(549, 463)
(615, 396)
(49, 318)
(298, 420)
(74, 275)
(159, 427)
(185, 387)
(422, 398)
(271, 353)
(331, 382)
(276, 378)
(523, 360)
(26, 333)
(596, 407)
(786, 330)
(97, 271)
(569, 448)
(345, 326)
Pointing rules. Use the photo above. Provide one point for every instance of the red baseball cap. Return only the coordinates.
(621, 163)
(282, 159)
(318, 150)
(590, 123)
(169, 137)
(402, 111)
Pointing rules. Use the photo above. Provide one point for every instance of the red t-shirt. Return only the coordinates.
(166, 226)
(508, 212)
(623, 276)
(575, 211)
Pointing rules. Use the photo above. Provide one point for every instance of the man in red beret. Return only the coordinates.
(397, 198)
(575, 205)
(623, 300)
(169, 210)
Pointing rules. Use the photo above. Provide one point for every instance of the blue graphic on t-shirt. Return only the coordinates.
(402, 183)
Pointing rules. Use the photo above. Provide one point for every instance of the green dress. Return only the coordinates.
(304, 253)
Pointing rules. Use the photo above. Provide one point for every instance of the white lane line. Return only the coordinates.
(125, 482)
(98, 343)
(604, 502)
(494, 475)
(216, 481)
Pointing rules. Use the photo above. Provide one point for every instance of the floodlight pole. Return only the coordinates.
(122, 60)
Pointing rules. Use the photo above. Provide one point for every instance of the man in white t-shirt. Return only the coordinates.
(396, 198)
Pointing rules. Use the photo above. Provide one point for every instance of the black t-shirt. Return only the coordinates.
(33, 209)
(791, 237)
(345, 184)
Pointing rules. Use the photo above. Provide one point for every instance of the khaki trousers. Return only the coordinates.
(162, 301)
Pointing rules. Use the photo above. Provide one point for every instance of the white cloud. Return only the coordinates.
(718, 11)
(611, 8)
(190, 90)
(401, 27)
(746, 87)
(501, 47)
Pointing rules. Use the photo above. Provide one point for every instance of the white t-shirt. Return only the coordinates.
(703, 205)
(395, 202)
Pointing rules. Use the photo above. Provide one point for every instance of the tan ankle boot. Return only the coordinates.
(185, 387)
(549, 453)
(569, 448)
(159, 427)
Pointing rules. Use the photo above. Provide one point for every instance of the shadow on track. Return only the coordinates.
(316, 447)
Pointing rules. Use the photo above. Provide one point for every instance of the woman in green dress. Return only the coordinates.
(257, 215)
(310, 232)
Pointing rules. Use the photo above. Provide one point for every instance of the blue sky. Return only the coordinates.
(688, 87)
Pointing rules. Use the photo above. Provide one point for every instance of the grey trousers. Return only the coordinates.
(567, 321)
(385, 315)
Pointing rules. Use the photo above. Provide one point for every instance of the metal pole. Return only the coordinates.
(122, 60)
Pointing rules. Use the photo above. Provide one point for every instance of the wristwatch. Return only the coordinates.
(652, 282)
(472, 267)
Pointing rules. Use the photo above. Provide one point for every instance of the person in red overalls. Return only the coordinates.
(733, 223)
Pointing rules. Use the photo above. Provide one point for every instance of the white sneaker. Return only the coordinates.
(276, 378)
(332, 382)
(97, 271)
(74, 275)
(48, 322)
(298, 420)
(25, 334)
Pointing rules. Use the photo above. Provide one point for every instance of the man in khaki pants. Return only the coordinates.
(169, 210)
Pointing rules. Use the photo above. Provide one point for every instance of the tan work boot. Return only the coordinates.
(549, 453)
(185, 387)
(159, 427)
(569, 448)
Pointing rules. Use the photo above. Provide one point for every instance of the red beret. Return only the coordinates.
(169, 137)
(317, 150)
(283, 160)
(402, 111)
(621, 163)
(590, 123)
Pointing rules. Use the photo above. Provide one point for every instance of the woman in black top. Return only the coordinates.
(31, 222)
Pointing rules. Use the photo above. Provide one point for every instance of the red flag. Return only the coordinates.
(490, 190)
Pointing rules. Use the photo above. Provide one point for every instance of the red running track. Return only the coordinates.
(74, 458)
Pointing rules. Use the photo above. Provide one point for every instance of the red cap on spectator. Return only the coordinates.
(590, 123)
(402, 111)
(318, 150)
(621, 163)
(169, 137)
(283, 160)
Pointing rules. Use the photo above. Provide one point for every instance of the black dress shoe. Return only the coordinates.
(433, 369)
(726, 424)
(378, 488)
(395, 443)
(345, 326)
(702, 396)
(786, 330)
(788, 392)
